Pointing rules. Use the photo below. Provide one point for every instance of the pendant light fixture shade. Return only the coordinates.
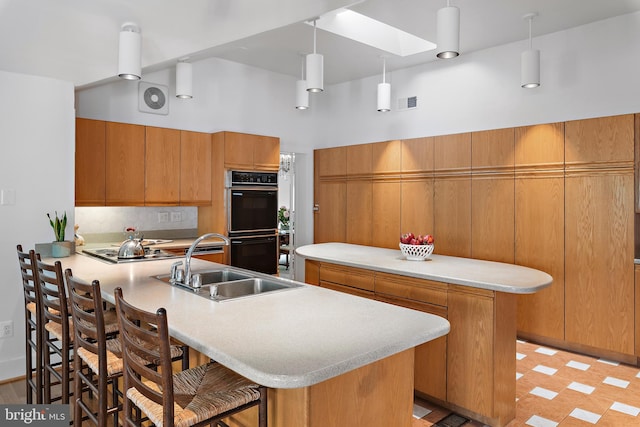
(530, 61)
(302, 96)
(315, 67)
(384, 91)
(448, 32)
(130, 46)
(184, 80)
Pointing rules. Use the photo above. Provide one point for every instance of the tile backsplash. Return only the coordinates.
(95, 220)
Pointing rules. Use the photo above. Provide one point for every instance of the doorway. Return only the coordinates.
(286, 214)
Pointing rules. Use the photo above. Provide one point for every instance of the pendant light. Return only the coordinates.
(448, 32)
(302, 96)
(129, 61)
(530, 61)
(184, 79)
(384, 91)
(315, 67)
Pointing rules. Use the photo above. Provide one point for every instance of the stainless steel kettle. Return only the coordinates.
(131, 249)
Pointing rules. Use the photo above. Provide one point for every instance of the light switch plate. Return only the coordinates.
(176, 216)
(7, 197)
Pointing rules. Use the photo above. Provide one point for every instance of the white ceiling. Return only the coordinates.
(77, 40)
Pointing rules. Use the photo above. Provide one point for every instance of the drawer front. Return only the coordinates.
(412, 289)
(346, 289)
(353, 277)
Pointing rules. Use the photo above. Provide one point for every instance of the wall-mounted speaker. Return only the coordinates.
(153, 98)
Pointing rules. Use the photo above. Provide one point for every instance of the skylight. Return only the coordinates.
(361, 28)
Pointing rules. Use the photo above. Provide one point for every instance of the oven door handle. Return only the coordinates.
(239, 240)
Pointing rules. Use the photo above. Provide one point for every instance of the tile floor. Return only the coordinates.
(559, 388)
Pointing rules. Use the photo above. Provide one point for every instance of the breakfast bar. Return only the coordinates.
(328, 358)
(471, 370)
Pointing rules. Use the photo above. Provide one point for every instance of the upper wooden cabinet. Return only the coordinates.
(492, 149)
(452, 152)
(195, 168)
(417, 155)
(251, 152)
(125, 164)
(331, 162)
(162, 166)
(386, 157)
(602, 140)
(90, 162)
(540, 145)
(359, 159)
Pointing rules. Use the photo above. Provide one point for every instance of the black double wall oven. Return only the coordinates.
(253, 220)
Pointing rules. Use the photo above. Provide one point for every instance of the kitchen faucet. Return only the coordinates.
(176, 272)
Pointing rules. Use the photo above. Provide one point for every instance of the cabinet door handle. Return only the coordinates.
(316, 207)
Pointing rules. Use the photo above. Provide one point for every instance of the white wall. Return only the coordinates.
(589, 71)
(37, 119)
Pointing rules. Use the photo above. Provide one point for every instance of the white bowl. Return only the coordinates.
(416, 252)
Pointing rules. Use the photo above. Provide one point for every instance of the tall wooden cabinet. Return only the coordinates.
(90, 179)
(539, 226)
(330, 195)
(416, 186)
(492, 195)
(599, 220)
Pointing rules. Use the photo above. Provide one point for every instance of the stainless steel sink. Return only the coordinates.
(246, 287)
(227, 284)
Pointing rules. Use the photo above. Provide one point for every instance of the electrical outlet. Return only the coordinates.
(176, 216)
(6, 329)
(163, 216)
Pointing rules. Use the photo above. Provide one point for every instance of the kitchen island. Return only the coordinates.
(329, 358)
(472, 370)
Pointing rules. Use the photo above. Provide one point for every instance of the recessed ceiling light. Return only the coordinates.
(361, 28)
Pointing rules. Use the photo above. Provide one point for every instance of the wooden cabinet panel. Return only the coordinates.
(312, 272)
(492, 219)
(347, 276)
(599, 140)
(330, 161)
(416, 206)
(386, 157)
(359, 158)
(238, 151)
(492, 149)
(359, 213)
(540, 145)
(385, 214)
(195, 168)
(452, 217)
(417, 155)
(330, 218)
(90, 162)
(430, 371)
(162, 166)
(452, 152)
(599, 261)
(425, 291)
(266, 153)
(539, 244)
(470, 352)
(124, 164)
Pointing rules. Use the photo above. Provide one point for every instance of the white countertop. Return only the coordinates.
(496, 276)
(286, 339)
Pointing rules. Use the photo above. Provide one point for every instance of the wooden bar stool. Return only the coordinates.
(33, 326)
(96, 367)
(202, 395)
(57, 335)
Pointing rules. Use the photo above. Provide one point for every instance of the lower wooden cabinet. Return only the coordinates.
(472, 369)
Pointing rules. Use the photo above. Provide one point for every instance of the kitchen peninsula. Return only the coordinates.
(472, 370)
(329, 358)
